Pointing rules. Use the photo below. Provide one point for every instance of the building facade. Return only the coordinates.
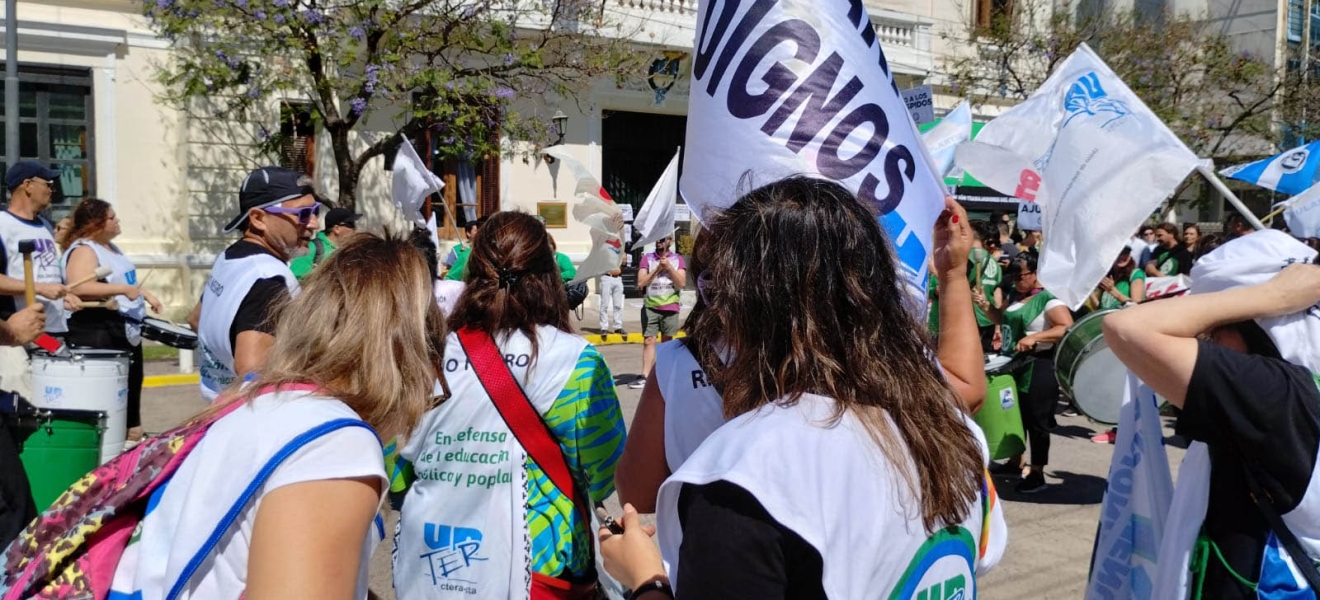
(91, 107)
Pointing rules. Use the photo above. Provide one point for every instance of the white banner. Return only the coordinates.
(1303, 213)
(1136, 504)
(943, 139)
(655, 219)
(920, 102)
(1028, 216)
(1107, 160)
(802, 87)
(413, 182)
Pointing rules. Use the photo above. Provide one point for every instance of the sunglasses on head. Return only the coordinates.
(304, 214)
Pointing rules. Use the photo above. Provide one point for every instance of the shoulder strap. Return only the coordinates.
(517, 411)
(1266, 505)
(318, 254)
(243, 499)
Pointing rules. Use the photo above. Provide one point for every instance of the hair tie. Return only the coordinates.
(507, 278)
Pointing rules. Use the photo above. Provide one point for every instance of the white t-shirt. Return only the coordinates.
(213, 476)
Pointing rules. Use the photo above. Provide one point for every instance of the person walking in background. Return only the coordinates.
(308, 532)
(520, 382)
(663, 275)
(277, 215)
(1191, 236)
(459, 252)
(610, 288)
(90, 245)
(1171, 258)
(340, 225)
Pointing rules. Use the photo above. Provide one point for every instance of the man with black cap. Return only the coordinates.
(340, 225)
(277, 215)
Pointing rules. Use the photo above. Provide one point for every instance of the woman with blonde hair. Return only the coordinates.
(355, 360)
(88, 244)
(507, 469)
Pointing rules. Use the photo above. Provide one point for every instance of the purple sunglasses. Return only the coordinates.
(304, 213)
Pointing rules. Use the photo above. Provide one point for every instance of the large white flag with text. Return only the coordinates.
(802, 87)
(1106, 159)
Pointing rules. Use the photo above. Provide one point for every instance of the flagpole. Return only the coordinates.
(1228, 195)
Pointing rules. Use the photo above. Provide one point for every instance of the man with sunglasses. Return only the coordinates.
(340, 225)
(277, 215)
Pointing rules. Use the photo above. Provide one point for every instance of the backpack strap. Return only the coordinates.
(243, 499)
(518, 413)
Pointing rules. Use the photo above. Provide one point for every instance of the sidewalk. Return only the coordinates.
(588, 325)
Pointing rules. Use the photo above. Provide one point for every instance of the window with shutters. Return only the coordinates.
(298, 137)
(989, 13)
(472, 187)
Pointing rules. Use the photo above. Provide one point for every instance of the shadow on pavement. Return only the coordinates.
(1065, 488)
(1077, 431)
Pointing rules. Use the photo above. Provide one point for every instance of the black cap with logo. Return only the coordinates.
(268, 186)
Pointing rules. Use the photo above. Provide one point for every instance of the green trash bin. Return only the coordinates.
(62, 446)
(1000, 417)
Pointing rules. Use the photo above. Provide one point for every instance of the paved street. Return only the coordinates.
(1051, 532)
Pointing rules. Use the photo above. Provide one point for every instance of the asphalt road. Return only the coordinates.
(1050, 533)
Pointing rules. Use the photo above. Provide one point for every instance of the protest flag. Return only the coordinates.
(655, 219)
(594, 208)
(1290, 172)
(1106, 160)
(802, 87)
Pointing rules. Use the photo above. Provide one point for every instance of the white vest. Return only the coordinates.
(45, 264)
(463, 529)
(225, 290)
(693, 409)
(832, 486)
(123, 272)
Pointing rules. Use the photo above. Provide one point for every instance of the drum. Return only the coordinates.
(170, 334)
(90, 380)
(60, 447)
(1001, 417)
(1088, 372)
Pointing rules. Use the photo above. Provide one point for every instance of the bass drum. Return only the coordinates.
(1088, 372)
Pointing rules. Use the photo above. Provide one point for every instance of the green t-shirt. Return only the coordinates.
(983, 268)
(566, 269)
(1108, 301)
(933, 295)
(1026, 317)
(303, 265)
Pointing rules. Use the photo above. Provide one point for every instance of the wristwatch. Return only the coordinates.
(655, 585)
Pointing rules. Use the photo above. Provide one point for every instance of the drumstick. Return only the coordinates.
(100, 272)
(111, 304)
(144, 279)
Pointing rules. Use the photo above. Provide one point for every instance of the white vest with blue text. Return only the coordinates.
(225, 290)
(45, 264)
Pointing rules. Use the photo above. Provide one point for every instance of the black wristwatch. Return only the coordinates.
(655, 585)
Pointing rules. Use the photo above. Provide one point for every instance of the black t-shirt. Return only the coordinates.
(1258, 413)
(733, 548)
(1181, 260)
(254, 312)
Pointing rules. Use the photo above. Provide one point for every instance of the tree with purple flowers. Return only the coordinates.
(1222, 102)
(456, 67)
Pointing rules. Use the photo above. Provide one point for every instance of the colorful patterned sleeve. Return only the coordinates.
(587, 422)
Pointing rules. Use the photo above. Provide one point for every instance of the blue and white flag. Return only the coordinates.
(943, 139)
(1288, 173)
(1136, 504)
(802, 87)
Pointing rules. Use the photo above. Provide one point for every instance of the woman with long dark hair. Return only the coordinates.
(1124, 284)
(480, 510)
(89, 245)
(1033, 321)
(834, 404)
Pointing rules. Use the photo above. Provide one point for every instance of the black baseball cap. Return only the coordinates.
(340, 216)
(24, 170)
(268, 186)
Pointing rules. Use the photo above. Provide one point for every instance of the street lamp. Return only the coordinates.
(558, 128)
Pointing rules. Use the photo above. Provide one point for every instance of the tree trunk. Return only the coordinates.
(349, 172)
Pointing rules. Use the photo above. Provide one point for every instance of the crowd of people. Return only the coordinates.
(346, 368)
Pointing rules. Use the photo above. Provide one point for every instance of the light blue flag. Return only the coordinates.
(1288, 173)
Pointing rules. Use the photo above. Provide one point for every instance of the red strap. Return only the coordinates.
(517, 411)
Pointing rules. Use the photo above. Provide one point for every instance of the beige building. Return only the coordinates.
(89, 105)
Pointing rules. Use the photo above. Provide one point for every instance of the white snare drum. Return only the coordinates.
(91, 380)
(170, 334)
